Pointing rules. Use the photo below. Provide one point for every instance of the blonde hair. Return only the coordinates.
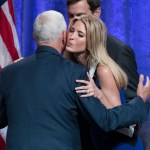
(96, 33)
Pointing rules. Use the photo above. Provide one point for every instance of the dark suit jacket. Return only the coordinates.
(124, 56)
(41, 108)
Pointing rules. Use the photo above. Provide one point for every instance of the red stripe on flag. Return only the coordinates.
(7, 36)
(2, 143)
(10, 5)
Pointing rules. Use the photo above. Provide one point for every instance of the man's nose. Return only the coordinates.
(73, 17)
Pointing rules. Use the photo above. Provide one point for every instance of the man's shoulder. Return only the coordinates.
(73, 67)
(112, 40)
(71, 72)
(115, 47)
(19, 65)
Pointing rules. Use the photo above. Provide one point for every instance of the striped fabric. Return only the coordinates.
(3, 138)
(2, 143)
(9, 45)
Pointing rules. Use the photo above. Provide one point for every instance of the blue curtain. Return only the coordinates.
(25, 13)
(128, 20)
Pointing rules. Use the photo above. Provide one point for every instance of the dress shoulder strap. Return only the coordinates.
(93, 69)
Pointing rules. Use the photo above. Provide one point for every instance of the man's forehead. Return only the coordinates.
(80, 7)
(77, 13)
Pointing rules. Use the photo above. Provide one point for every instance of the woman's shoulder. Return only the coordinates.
(103, 70)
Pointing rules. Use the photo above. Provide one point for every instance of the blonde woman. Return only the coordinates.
(86, 45)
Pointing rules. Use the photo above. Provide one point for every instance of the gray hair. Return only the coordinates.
(49, 25)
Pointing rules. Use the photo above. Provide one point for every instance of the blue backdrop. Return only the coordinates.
(126, 19)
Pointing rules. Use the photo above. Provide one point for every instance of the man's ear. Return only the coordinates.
(97, 12)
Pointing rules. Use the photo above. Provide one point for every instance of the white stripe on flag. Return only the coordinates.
(5, 58)
(3, 133)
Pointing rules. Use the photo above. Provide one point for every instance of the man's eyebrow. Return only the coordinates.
(78, 14)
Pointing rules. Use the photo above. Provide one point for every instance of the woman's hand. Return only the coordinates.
(89, 89)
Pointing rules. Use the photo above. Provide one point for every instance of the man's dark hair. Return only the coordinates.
(94, 4)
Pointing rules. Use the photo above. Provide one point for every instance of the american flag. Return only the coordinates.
(9, 45)
(3, 133)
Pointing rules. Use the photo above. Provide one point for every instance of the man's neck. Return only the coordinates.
(55, 45)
